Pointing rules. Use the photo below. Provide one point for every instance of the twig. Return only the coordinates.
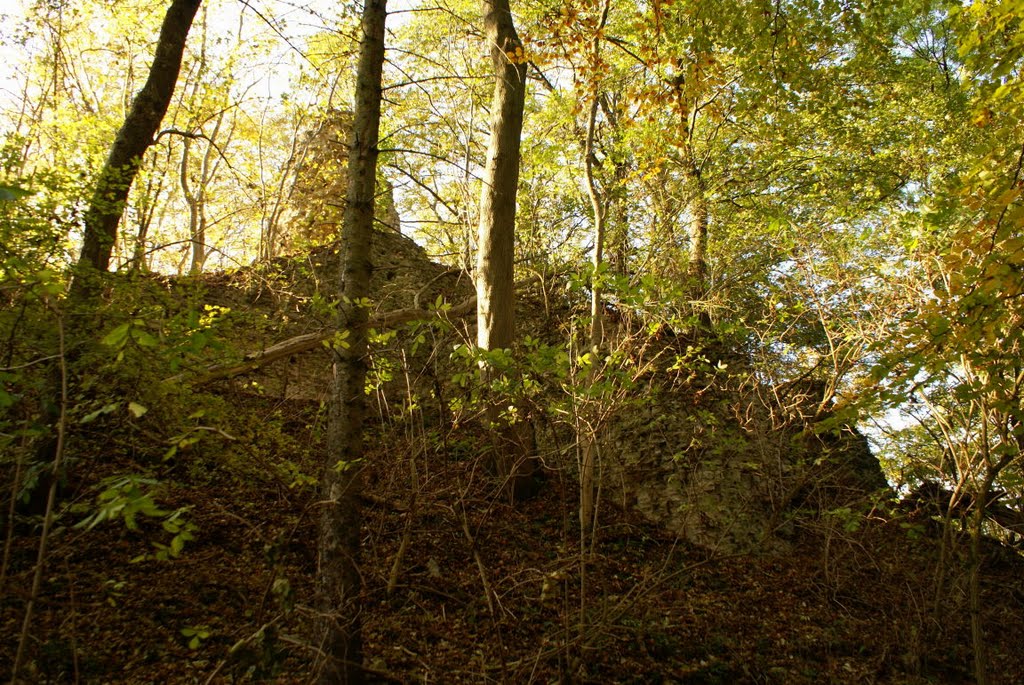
(28, 364)
(238, 645)
(488, 593)
(74, 624)
(51, 499)
(414, 487)
(19, 464)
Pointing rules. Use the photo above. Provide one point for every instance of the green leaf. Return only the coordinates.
(118, 336)
(177, 545)
(106, 409)
(197, 635)
(9, 193)
(339, 341)
(136, 409)
(6, 399)
(143, 338)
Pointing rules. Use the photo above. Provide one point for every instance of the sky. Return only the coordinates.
(9, 54)
(287, 23)
(272, 33)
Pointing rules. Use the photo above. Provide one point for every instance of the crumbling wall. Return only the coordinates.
(315, 206)
(695, 452)
(719, 470)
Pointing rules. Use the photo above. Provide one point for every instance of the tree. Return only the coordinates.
(956, 353)
(133, 139)
(339, 582)
(599, 206)
(496, 234)
(207, 93)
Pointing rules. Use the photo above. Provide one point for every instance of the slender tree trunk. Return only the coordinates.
(136, 135)
(496, 234)
(339, 582)
(696, 268)
(190, 199)
(975, 559)
(270, 237)
(697, 265)
(588, 441)
(196, 197)
(616, 213)
(589, 448)
(618, 222)
(147, 211)
(495, 322)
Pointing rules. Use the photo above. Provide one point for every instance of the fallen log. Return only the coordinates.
(310, 341)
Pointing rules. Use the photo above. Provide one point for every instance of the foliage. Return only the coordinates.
(129, 497)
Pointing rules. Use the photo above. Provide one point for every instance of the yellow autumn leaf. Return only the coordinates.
(1008, 196)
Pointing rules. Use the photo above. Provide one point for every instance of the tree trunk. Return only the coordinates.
(618, 222)
(496, 235)
(974, 603)
(339, 582)
(193, 206)
(196, 198)
(114, 182)
(133, 139)
(147, 212)
(589, 440)
(697, 266)
(270, 236)
(982, 497)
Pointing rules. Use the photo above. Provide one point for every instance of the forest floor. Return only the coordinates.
(843, 606)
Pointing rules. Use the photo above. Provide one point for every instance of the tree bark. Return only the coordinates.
(589, 440)
(339, 581)
(133, 139)
(196, 198)
(147, 212)
(697, 266)
(700, 215)
(511, 458)
(495, 319)
(194, 206)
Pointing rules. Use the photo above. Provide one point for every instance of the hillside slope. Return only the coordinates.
(821, 580)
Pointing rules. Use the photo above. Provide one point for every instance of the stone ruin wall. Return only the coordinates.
(313, 210)
(696, 469)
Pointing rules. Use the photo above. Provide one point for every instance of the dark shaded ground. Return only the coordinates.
(842, 607)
